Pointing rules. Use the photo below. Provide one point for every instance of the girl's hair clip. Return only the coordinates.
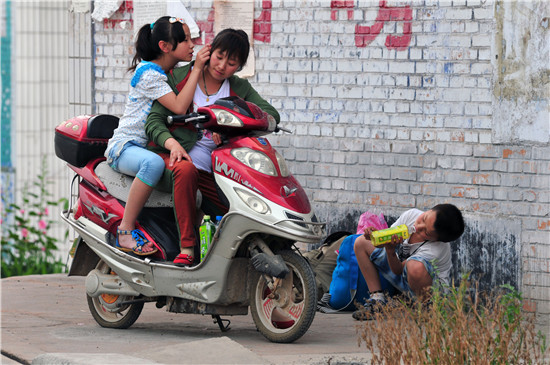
(173, 19)
(152, 25)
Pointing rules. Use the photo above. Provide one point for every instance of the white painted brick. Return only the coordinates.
(456, 108)
(389, 107)
(481, 123)
(481, 69)
(457, 27)
(456, 95)
(482, 95)
(415, 53)
(483, 13)
(471, 27)
(482, 40)
(425, 40)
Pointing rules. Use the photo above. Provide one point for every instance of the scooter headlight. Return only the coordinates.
(253, 202)
(255, 160)
(282, 165)
(223, 117)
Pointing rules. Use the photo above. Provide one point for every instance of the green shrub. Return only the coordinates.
(27, 246)
(460, 326)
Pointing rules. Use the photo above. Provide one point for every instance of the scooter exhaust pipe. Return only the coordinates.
(98, 283)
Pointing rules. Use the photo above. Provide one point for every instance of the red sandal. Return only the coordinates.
(184, 260)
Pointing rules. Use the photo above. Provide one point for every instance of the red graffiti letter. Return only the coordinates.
(262, 24)
(344, 4)
(364, 35)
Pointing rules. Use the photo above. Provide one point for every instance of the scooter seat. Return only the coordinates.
(118, 185)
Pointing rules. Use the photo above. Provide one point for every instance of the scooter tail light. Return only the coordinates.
(78, 213)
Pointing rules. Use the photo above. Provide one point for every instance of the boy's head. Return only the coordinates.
(449, 224)
(234, 42)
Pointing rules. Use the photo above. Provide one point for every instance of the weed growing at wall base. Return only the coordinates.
(461, 326)
(27, 246)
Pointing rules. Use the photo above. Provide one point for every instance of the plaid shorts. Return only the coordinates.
(400, 282)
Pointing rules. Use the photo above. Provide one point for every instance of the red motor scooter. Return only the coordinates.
(252, 260)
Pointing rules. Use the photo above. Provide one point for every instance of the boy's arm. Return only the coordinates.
(396, 266)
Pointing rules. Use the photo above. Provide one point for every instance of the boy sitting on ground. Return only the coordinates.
(412, 265)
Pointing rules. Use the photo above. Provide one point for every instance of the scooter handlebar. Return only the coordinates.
(187, 118)
(281, 129)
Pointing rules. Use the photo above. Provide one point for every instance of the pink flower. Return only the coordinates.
(24, 232)
(43, 249)
(46, 211)
(42, 225)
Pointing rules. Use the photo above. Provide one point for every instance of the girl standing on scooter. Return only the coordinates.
(159, 47)
(229, 53)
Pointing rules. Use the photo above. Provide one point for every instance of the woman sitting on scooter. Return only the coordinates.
(228, 54)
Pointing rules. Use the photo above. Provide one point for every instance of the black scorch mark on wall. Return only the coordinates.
(489, 250)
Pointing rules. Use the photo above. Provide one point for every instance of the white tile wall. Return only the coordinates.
(43, 31)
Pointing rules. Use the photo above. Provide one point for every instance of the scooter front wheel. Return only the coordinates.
(106, 308)
(284, 314)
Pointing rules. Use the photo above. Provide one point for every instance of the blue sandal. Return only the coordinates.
(140, 239)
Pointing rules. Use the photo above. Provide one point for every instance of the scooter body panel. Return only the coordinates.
(282, 190)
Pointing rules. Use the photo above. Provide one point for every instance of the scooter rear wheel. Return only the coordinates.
(106, 310)
(285, 315)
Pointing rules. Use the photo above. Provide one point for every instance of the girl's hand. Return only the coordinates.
(217, 139)
(202, 57)
(177, 152)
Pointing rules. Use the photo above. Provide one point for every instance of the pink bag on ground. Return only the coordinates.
(369, 219)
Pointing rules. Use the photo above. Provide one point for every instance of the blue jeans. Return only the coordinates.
(401, 282)
(137, 161)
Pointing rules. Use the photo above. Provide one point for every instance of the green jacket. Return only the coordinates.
(157, 130)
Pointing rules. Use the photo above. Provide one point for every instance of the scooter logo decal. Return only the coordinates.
(262, 141)
(100, 213)
(229, 172)
(289, 191)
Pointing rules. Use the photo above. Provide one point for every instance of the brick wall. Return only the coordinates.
(404, 104)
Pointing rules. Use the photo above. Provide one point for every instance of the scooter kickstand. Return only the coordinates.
(219, 320)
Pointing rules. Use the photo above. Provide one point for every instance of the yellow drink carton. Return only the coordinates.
(384, 235)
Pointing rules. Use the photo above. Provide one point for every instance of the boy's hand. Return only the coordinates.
(368, 232)
(202, 57)
(392, 246)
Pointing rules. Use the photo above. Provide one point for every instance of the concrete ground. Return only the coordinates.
(46, 320)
